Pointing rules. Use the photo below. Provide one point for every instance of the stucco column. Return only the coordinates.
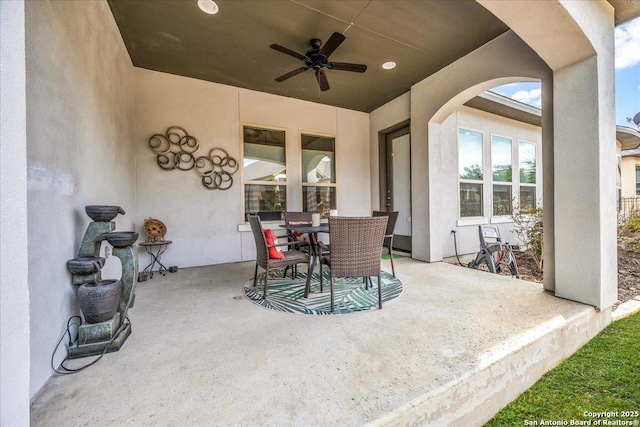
(548, 175)
(584, 180)
(580, 51)
(14, 289)
(503, 60)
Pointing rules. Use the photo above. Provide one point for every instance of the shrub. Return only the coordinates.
(629, 231)
(527, 224)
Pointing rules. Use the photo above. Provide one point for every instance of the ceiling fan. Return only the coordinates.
(317, 58)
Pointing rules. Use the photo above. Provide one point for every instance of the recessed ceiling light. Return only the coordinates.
(389, 65)
(208, 6)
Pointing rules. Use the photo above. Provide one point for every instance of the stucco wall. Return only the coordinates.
(14, 292)
(390, 114)
(399, 110)
(80, 111)
(203, 224)
(488, 124)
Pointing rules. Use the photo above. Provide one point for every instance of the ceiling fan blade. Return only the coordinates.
(322, 80)
(345, 66)
(332, 44)
(287, 51)
(291, 74)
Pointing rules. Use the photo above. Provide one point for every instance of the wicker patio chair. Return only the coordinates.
(291, 257)
(388, 234)
(294, 217)
(356, 247)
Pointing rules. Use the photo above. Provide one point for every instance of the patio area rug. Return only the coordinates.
(287, 295)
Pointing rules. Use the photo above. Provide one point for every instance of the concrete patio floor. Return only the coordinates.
(454, 348)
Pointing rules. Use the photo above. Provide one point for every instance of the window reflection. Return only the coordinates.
(470, 199)
(318, 165)
(501, 159)
(527, 161)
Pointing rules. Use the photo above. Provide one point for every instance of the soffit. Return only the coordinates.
(629, 138)
(625, 10)
(506, 107)
(232, 47)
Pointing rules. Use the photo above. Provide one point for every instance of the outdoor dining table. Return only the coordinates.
(312, 231)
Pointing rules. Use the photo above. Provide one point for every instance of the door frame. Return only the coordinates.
(383, 153)
(386, 173)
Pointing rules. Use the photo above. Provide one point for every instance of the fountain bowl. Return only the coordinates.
(120, 239)
(103, 213)
(99, 301)
(85, 265)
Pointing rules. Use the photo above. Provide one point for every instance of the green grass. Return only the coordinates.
(395, 256)
(604, 375)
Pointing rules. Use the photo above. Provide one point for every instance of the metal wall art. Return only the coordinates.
(176, 149)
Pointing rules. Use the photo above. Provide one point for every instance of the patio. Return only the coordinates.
(454, 348)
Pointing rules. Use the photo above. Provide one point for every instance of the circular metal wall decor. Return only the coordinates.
(176, 149)
(154, 229)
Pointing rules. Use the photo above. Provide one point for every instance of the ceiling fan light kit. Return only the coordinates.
(317, 58)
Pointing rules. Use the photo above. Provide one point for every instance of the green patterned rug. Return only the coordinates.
(287, 294)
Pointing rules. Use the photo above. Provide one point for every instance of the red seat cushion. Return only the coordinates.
(271, 238)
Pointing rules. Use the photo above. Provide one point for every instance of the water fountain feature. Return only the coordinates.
(101, 330)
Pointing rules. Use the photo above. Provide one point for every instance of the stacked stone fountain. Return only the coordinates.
(104, 303)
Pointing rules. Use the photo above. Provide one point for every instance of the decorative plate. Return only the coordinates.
(154, 228)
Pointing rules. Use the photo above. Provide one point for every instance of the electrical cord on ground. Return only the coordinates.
(68, 371)
(455, 246)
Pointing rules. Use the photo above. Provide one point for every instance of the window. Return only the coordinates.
(637, 180)
(504, 185)
(501, 168)
(470, 173)
(527, 172)
(318, 174)
(265, 172)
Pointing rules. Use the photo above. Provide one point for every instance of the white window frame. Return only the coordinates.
(527, 184)
(502, 218)
(335, 166)
(245, 182)
(482, 218)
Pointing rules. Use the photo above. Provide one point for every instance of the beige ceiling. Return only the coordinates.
(232, 47)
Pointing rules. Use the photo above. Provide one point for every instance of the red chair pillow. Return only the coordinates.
(271, 238)
(303, 237)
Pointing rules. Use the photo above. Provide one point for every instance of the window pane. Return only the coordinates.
(501, 163)
(318, 159)
(502, 200)
(527, 160)
(527, 197)
(264, 155)
(470, 154)
(470, 199)
(265, 198)
(638, 174)
(318, 199)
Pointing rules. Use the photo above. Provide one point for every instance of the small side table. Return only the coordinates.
(155, 249)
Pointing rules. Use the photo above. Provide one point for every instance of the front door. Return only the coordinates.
(397, 146)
